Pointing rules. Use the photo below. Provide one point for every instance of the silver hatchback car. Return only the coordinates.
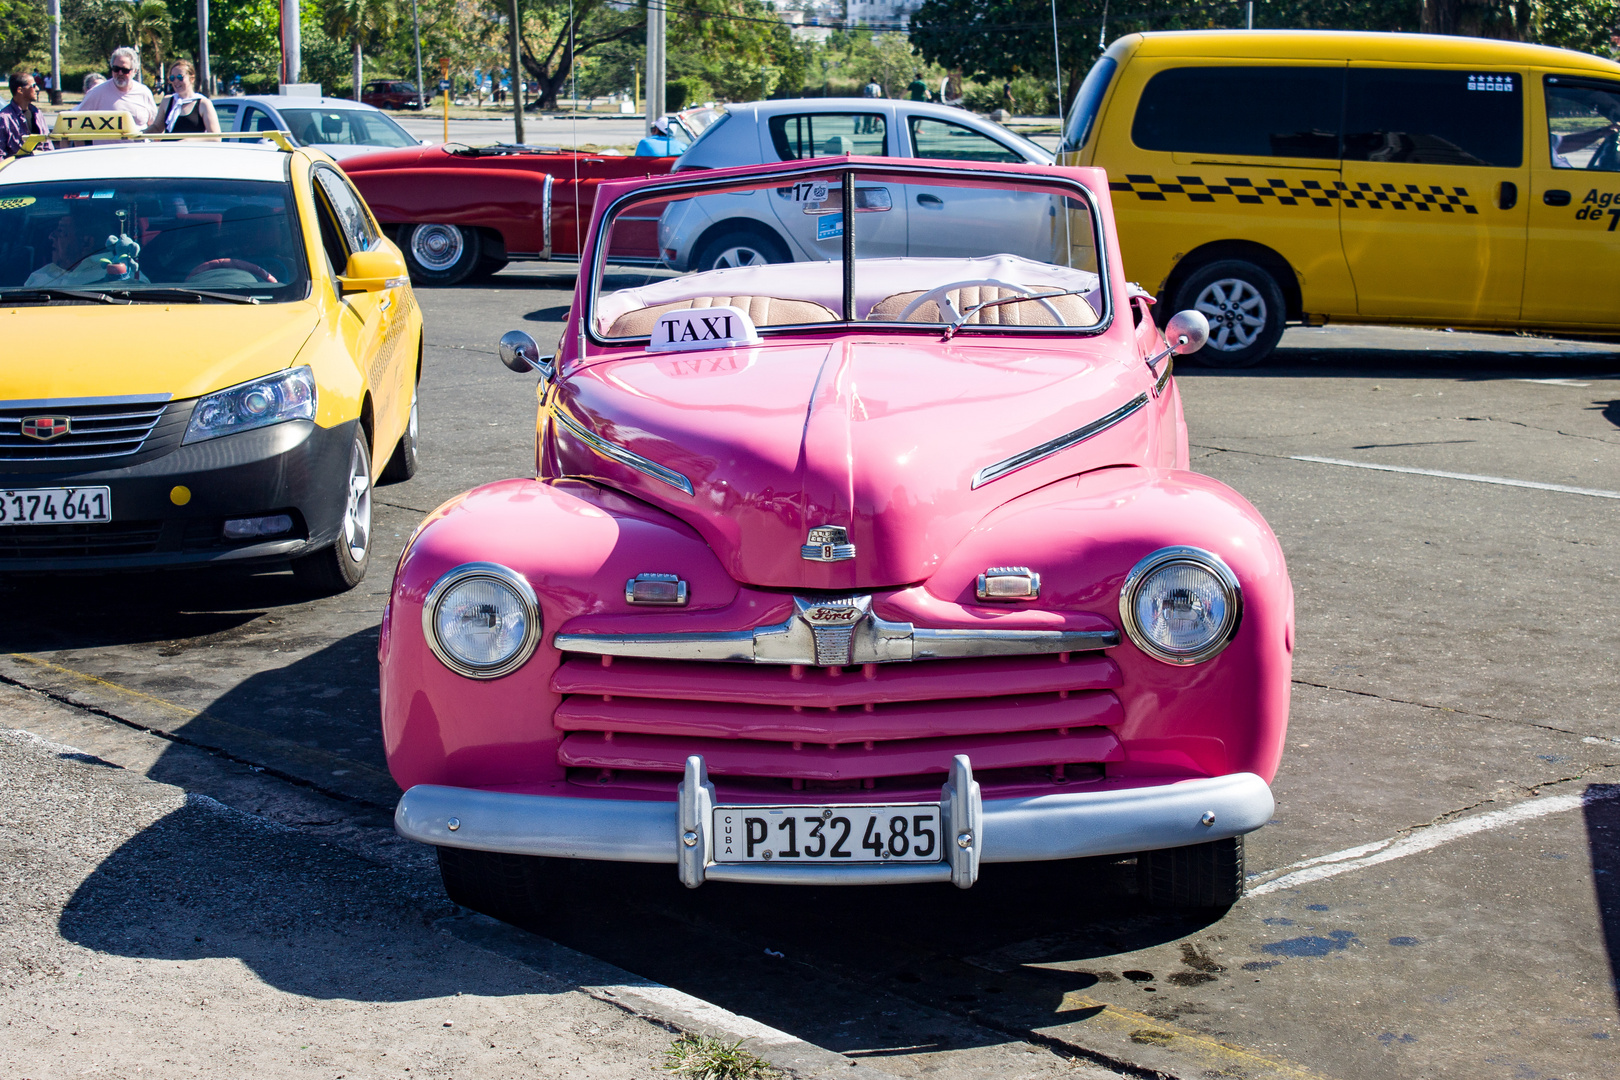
(746, 230)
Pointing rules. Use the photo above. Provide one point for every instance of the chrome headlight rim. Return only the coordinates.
(1190, 556)
(504, 575)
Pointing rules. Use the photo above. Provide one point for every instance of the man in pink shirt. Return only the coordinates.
(123, 91)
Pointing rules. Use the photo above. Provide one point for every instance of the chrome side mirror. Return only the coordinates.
(520, 353)
(1186, 332)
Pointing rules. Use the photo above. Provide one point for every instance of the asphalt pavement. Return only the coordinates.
(1438, 896)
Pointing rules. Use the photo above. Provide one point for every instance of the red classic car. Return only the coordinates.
(460, 212)
(869, 569)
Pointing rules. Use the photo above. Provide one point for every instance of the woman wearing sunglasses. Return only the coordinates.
(123, 91)
(184, 109)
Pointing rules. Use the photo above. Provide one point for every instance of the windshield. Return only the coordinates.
(235, 237)
(976, 252)
(344, 127)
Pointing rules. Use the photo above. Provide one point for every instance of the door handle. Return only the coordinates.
(1555, 197)
(1507, 195)
(932, 202)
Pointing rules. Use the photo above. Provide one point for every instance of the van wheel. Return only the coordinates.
(1245, 309)
(1200, 876)
(511, 888)
(441, 254)
(741, 249)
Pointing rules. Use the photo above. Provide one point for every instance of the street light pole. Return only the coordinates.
(56, 52)
(202, 47)
(421, 91)
(515, 78)
(655, 62)
(292, 41)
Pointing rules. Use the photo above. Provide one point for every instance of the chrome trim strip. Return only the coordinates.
(545, 214)
(1164, 376)
(1070, 825)
(812, 640)
(1062, 442)
(615, 452)
(69, 402)
(1169, 556)
(495, 572)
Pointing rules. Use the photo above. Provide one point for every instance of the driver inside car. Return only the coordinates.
(80, 251)
(1579, 140)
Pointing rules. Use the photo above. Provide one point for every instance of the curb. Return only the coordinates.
(663, 1005)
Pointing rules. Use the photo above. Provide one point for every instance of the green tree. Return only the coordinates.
(243, 35)
(555, 34)
(147, 26)
(360, 21)
(24, 30)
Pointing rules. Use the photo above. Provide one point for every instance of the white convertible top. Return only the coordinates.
(128, 161)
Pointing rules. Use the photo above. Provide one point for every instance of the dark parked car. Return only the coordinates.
(392, 94)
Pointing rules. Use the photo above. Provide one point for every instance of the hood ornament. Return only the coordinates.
(827, 543)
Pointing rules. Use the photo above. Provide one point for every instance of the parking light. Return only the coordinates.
(248, 528)
(286, 395)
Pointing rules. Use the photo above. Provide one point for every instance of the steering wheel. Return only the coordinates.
(1606, 158)
(941, 296)
(233, 264)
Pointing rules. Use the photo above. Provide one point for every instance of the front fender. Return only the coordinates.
(1083, 535)
(577, 545)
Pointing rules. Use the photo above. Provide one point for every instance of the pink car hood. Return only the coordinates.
(879, 435)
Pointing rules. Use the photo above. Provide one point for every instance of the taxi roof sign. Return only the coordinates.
(78, 127)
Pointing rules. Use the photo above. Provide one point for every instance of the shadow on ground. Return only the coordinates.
(1602, 809)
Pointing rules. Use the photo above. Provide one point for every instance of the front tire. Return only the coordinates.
(341, 566)
(1244, 306)
(512, 888)
(1201, 876)
(402, 466)
(441, 255)
(741, 248)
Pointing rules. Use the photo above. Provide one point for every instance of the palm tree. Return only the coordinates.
(147, 26)
(360, 20)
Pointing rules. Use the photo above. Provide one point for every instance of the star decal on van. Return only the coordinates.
(1301, 193)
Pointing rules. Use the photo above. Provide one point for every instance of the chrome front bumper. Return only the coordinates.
(1035, 829)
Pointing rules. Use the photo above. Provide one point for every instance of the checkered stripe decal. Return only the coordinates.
(1302, 193)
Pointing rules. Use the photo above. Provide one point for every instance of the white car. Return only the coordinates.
(750, 229)
(339, 126)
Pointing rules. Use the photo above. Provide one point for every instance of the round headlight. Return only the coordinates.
(1181, 605)
(481, 620)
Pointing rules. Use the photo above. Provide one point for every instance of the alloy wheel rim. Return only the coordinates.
(741, 255)
(357, 514)
(410, 426)
(437, 247)
(1236, 312)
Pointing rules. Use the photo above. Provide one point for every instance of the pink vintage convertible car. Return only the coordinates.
(865, 570)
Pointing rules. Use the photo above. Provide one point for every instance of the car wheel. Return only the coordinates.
(442, 254)
(512, 888)
(1201, 876)
(741, 248)
(402, 466)
(340, 567)
(1244, 306)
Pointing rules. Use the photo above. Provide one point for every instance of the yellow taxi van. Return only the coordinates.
(1267, 177)
(211, 354)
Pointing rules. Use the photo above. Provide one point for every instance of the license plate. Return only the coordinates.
(908, 832)
(55, 506)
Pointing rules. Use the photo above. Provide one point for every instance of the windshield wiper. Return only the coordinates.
(195, 296)
(49, 294)
(961, 320)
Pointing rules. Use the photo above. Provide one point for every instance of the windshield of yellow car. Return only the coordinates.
(237, 239)
(983, 252)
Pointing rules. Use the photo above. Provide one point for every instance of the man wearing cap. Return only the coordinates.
(22, 117)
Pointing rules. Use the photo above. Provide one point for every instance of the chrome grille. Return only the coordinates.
(98, 428)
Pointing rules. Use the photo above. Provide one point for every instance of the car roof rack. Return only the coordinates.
(275, 136)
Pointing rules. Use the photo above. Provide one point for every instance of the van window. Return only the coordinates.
(1288, 112)
(1435, 117)
(932, 138)
(812, 135)
(1086, 104)
(1583, 124)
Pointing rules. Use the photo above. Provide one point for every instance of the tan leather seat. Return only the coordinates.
(1075, 310)
(763, 310)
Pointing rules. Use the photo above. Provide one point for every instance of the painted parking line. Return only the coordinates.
(1425, 838)
(1596, 493)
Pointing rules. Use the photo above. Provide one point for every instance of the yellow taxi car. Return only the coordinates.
(212, 353)
(1272, 176)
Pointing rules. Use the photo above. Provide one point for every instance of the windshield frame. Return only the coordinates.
(903, 170)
